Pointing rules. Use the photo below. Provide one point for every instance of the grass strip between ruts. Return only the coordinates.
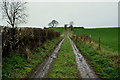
(65, 64)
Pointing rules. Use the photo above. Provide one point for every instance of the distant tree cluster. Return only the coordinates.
(71, 25)
(54, 23)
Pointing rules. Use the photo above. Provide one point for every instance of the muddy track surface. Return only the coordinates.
(85, 71)
(44, 68)
(83, 67)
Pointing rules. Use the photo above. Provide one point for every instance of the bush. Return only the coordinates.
(22, 40)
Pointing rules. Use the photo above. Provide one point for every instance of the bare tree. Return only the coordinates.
(65, 26)
(14, 12)
(71, 25)
(53, 23)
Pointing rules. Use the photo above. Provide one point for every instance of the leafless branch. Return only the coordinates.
(14, 12)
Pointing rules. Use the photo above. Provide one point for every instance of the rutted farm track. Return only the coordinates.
(44, 70)
(82, 65)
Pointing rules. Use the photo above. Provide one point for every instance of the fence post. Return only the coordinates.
(99, 47)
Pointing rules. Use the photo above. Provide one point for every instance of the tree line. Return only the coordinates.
(54, 23)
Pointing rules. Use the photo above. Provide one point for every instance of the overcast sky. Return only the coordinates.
(88, 14)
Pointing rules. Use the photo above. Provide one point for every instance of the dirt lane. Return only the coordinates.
(83, 67)
(43, 69)
(65, 64)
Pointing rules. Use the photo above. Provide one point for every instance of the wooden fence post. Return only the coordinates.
(99, 47)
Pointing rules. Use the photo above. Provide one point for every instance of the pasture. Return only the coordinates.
(108, 36)
(61, 30)
(105, 62)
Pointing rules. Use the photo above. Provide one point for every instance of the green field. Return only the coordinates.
(58, 29)
(105, 62)
(108, 36)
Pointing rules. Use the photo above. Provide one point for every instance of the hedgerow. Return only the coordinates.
(24, 40)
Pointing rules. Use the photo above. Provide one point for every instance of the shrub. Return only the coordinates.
(19, 39)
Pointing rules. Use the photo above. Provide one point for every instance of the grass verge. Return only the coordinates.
(65, 64)
(102, 65)
(16, 66)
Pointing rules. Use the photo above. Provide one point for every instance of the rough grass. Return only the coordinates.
(16, 66)
(106, 62)
(108, 36)
(65, 64)
(101, 64)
